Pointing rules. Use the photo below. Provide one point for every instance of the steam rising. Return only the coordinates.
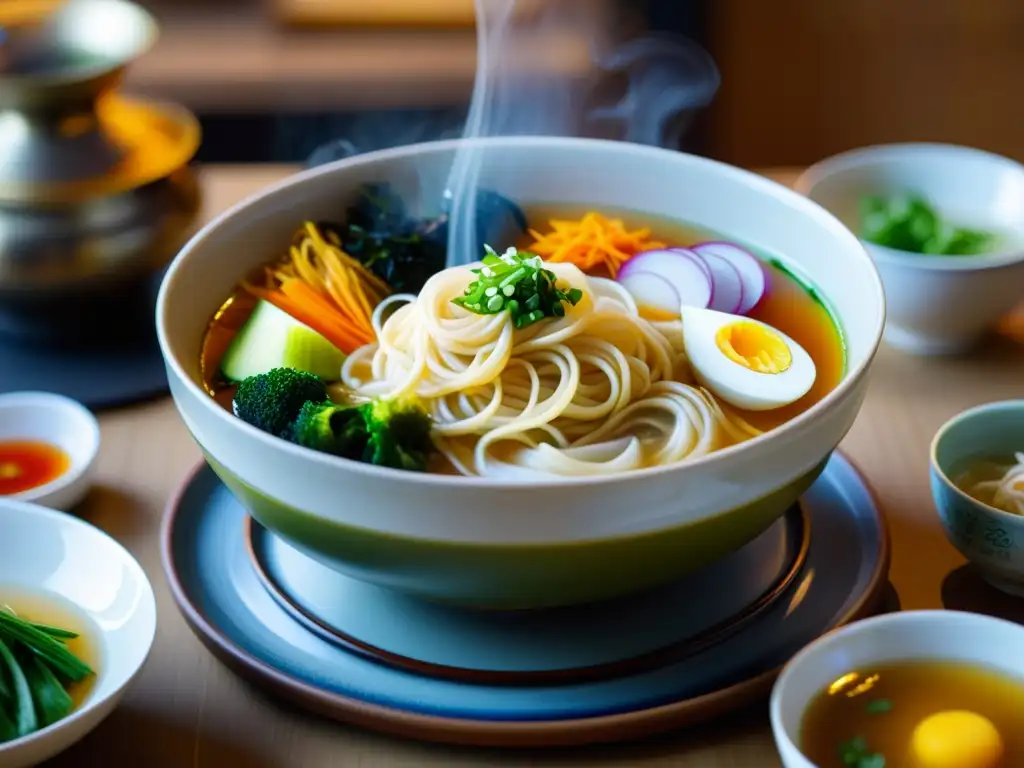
(665, 80)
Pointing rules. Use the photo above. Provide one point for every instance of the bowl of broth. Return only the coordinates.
(945, 226)
(77, 620)
(606, 367)
(977, 483)
(917, 689)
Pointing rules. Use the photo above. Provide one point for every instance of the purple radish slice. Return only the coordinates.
(728, 296)
(652, 291)
(751, 270)
(683, 271)
(696, 256)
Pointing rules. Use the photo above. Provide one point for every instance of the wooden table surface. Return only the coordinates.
(187, 710)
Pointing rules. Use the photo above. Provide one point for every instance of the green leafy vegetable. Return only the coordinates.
(35, 666)
(271, 401)
(8, 730)
(52, 702)
(879, 706)
(856, 754)
(25, 721)
(516, 281)
(910, 223)
(405, 251)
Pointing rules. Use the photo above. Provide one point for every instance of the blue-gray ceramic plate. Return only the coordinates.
(225, 599)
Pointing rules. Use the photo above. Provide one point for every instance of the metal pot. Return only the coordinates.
(96, 194)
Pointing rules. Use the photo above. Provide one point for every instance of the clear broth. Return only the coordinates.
(47, 608)
(915, 690)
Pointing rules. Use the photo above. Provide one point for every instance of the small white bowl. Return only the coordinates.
(936, 304)
(61, 422)
(953, 636)
(49, 552)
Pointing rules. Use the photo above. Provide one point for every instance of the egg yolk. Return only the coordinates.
(753, 346)
(956, 739)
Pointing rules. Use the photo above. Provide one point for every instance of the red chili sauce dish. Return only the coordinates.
(28, 464)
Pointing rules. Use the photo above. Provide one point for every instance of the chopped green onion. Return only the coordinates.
(856, 754)
(910, 223)
(878, 706)
(516, 281)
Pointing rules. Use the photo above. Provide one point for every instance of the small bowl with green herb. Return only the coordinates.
(77, 620)
(945, 226)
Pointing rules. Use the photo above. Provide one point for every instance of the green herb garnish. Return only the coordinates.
(516, 281)
(910, 223)
(878, 706)
(856, 754)
(36, 666)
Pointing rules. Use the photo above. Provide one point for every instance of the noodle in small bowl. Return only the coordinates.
(977, 480)
(571, 389)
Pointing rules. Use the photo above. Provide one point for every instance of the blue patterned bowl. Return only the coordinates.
(991, 539)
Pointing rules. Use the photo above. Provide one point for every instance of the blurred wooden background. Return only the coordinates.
(802, 79)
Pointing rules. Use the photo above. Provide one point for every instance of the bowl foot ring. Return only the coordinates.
(561, 645)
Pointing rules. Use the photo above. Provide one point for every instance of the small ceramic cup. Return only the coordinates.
(63, 423)
(951, 636)
(991, 539)
(935, 304)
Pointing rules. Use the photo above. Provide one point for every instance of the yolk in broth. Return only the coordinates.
(917, 715)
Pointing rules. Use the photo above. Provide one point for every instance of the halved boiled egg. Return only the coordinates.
(745, 362)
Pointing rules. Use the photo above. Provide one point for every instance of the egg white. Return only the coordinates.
(737, 385)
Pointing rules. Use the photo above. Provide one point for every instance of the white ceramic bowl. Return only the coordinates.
(61, 422)
(936, 304)
(561, 541)
(48, 552)
(952, 636)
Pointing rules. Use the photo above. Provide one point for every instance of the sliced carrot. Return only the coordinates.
(595, 244)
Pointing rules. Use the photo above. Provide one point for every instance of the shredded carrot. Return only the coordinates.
(320, 285)
(594, 243)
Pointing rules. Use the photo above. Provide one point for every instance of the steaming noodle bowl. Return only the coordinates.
(599, 390)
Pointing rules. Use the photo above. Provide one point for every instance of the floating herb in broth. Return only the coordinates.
(48, 659)
(917, 715)
(909, 222)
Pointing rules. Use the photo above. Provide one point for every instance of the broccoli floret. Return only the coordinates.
(388, 433)
(331, 428)
(271, 401)
(399, 434)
